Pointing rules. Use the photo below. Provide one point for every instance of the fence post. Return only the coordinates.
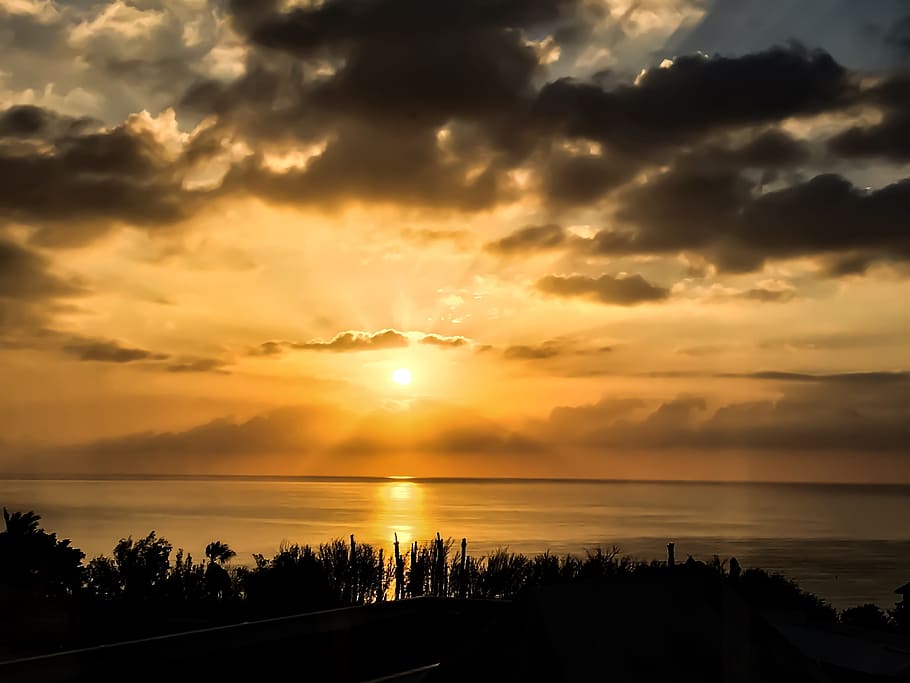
(463, 576)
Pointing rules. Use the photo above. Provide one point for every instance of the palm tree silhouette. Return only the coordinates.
(219, 552)
(21, 523)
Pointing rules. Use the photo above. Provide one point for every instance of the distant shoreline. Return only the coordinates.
(438, 480)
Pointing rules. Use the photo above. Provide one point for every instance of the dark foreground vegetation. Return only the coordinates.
(59, 601)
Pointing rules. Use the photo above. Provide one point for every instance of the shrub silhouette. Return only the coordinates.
(775, 591)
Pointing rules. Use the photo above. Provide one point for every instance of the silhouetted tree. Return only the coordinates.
(219, 552)
(36, 561)
(142, 565)
(295, 578)
(187, 580)
(866, 616)
(102, 579)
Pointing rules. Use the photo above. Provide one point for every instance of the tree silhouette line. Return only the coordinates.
(35, 565)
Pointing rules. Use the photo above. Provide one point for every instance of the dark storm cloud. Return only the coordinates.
(890, 138)
(402, 68)
(401, 165)
(81, 182)
(698, 95)
(28, 121)
(577, 179)
(484, 89)
(436, 104)
(617, 290)
(424, 61)
(771, 149)
(108, 351)
(723, 217)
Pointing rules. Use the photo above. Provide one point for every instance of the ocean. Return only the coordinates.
(850, 544)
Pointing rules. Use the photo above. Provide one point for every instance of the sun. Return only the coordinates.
(402, 376)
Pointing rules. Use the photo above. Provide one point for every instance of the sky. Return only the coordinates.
(654, 239)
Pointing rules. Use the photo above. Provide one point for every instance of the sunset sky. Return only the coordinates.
(657, 239)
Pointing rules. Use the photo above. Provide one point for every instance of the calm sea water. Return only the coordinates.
(849, 544)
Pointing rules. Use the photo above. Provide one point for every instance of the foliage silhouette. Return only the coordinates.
(156, 591)
(35, 561)
(867, 616)
(219, 552)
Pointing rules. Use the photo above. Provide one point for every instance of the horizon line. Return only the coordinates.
(70, 476)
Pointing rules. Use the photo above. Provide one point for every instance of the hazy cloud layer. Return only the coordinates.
(811, 414)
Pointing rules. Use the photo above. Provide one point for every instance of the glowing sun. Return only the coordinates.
(402, 376)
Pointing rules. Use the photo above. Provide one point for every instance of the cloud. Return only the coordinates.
(29, 121)
(357, 340)
(354, 340)
(272, 348)
(25, 275)
(530, 238)
(76, 185)
(223, 445)
(444, 342)
(190, 365)
(31, 293)
(767, 295)
(108, 351)
(292, 440)
(862, 413)
(549, 349)
(472, 59)
(859, 413)
(865, 378)
(697, 95)
(619, 290)
(722, 216)
(889, 138)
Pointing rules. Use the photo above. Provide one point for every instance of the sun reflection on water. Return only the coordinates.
(399, 508)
